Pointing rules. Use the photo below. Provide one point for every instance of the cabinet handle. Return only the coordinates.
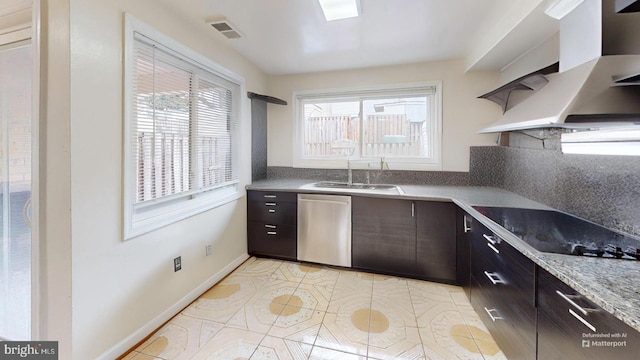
(270, 204)
(413, 209)
(569, 299)
(465, 221)
(270, 196)
(494, 278)
(272, 210)
(489, 239)
(270, 226)
(272, 233)
(585, 322)
(493, 248)
(493, 318)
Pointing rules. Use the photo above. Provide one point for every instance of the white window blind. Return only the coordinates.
(182, 123)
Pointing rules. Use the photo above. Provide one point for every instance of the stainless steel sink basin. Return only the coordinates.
(356, 187)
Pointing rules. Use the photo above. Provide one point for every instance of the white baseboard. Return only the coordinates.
(155, 323)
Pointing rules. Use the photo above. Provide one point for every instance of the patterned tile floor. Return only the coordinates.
(270, 309)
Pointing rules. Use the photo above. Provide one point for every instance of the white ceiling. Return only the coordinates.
(291, 36)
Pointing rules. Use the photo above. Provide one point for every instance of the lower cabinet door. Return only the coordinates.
(383, 235)
(572, 327)
(436, 241)
(272, 240)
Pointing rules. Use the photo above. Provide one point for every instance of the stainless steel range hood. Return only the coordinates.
(591, 90)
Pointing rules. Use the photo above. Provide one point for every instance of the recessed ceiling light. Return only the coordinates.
(339, 9)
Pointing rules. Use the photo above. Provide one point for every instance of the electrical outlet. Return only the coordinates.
(208, 250)
(177, 264)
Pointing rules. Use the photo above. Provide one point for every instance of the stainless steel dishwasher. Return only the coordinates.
(324, 229)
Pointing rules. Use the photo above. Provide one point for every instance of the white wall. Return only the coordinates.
(55, 273)
(121, 287)
(463, 114)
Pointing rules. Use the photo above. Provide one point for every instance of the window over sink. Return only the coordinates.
(396, 126)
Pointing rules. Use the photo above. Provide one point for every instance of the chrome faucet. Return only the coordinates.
(372, 165)
(349, 172)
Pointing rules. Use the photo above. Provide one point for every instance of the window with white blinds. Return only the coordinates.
(181, 123)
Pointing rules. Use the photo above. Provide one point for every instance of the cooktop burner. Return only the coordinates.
(557, 232)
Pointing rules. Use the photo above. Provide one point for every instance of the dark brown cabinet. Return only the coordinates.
(271, 224)
(464, 222)
(572, 327)
(383, 235)
(403, 237)
(502, 291)
(436, 241)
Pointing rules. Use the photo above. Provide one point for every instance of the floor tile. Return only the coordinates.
(258, 267)
(230, 343)
(430, 291)
(298, 324)
(345, 332)
(460, 299)
(321, 275)
(480, 334)
(446, 335)
(262, 310)
(389, 324)
(224, 299)
(180, 338)
(290, 271)
(395, 343)
(320, 353)
(273, 348)
(391, 295)
(352, 289)
(313, 296)
(270, 309)
(141, 356)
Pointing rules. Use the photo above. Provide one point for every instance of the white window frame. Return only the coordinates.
(433, 163)
(147, 217)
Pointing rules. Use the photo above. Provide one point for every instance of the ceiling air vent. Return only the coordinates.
(225, 28)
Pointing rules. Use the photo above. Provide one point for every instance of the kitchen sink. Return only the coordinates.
(355, 187)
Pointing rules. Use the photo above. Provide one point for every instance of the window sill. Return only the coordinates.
(369, 164)
(149, 221)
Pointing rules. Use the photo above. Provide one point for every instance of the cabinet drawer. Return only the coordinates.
(486, 245)
(275, 212)
(562, 324)
(515, 275)
(274, 196)
(504, 283)
(273, 240)
(512, 295)
(498, 323)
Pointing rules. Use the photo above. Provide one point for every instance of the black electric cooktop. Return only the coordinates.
(561, 233)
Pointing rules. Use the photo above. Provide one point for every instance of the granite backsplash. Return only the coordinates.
(450, 178)
(603, 189)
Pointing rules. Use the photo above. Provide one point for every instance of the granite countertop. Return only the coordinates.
(610, 283)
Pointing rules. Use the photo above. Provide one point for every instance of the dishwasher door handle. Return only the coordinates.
(324, 201)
